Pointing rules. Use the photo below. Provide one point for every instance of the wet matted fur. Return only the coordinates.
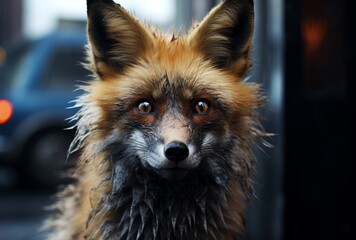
(151, 90)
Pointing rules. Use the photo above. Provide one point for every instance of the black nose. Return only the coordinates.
(176, 151)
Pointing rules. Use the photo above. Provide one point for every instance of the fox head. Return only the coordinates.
(166, 128)
(174, 106)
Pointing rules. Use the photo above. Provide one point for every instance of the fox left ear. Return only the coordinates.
(116, 38)
(224, 37)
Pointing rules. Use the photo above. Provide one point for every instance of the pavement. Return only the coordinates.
(22, 210)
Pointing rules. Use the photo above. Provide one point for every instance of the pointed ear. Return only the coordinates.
(116, 38)
(224, 37)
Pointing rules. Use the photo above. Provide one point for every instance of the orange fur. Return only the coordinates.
(136, 63)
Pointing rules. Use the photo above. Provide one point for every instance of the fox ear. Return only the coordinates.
(116, 38)
(224, 36)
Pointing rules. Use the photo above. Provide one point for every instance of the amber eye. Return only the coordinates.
(201, 107)
(144, 107)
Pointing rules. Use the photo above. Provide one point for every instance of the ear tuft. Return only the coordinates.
(224, 37)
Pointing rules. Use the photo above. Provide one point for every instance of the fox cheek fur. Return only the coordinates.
(166, 130)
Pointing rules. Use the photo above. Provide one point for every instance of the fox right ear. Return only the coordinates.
(224, 36)
(116, 38)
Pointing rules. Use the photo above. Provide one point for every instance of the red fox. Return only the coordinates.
(165, 131)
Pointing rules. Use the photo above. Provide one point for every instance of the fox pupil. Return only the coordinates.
(201, 107)
(144, 107)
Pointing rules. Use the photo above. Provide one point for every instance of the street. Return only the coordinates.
(22, 210)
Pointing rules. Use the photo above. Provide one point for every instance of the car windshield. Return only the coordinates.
(16, 65)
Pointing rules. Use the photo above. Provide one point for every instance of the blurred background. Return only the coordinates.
(304, 56)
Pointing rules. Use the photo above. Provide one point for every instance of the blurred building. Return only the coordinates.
(11, 13)
(319, 119)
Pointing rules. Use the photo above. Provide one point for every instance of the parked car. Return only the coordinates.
(37, 83)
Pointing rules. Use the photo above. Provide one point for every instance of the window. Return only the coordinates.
(17, 66)
(65, 69)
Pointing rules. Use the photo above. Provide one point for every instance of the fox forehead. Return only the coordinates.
(168, 57)
(171, 63)
(149, 81)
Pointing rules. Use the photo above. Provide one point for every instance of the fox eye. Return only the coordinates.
(144, 107)
(201, 107)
